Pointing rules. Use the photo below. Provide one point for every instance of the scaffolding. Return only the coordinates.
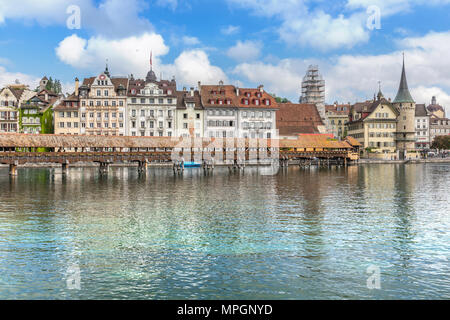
(313, 86)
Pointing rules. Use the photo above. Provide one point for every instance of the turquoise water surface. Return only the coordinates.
(301, 234)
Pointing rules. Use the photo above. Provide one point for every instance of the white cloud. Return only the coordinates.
(193, 66)
(312, 24)
(301, 26)
(131, 55)
(230, 30)
(424, 94)
(7, 78)
(283, 78)
(245, 51)
(112, 18)
(190, 41)
(127, 55)
(351, 78)
(390, 7)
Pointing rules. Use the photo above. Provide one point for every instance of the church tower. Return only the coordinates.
(405, 104)
(43, 84)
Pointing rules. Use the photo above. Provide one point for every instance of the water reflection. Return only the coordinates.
(299, 234)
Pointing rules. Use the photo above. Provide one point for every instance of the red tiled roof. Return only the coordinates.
(352, 141)
(214, 96)
(339, 109)
(293, 119)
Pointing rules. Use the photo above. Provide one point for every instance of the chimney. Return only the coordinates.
(46, 96)
(192, 92)
(199, 87)
(261, 88)
(237, 91)
(433, 100)
(77, 85)
(184, 89)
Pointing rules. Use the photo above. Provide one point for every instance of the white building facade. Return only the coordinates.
(151, 107)
(231, 112)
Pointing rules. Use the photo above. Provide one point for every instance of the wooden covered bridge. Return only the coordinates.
(17, 149)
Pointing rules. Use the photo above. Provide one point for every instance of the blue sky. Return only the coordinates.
(243, 42)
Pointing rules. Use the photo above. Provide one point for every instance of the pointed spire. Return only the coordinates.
(380, 94)
(107, 69)
(403, 95)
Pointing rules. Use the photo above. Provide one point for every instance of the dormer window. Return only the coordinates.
(257, 102)
(169, 91)
(212, 101)
(247, 94)
(267, 102)
(220, 102)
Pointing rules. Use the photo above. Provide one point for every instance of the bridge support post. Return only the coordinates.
(13, 168)
(65, 166)
(178, 167)
(143, 166)
(104, 167)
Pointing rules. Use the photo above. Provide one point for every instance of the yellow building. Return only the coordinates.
(336, 116)
(103, 102)
(67, 116)
(374, 125)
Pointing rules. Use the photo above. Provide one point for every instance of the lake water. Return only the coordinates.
(302, 234)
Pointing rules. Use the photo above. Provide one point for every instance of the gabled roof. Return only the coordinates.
(87, 82)
(368, 107)
(17, 92)
(184, 97)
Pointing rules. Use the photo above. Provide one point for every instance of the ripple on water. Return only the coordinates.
(297, 235)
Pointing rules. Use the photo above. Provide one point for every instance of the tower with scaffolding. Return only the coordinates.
(313, 86)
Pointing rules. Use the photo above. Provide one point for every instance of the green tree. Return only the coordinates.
(280, 100)
(50, 84)
(441, 142)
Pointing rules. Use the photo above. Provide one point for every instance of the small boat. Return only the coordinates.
(192, 165)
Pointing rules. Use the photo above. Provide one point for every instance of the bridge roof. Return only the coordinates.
(15, 140)
(315, 141)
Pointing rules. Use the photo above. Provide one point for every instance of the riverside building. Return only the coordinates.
(11, 98)
(386, 127)
(151, 107)
(103, 102)
(232, 112)
(190, 114)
